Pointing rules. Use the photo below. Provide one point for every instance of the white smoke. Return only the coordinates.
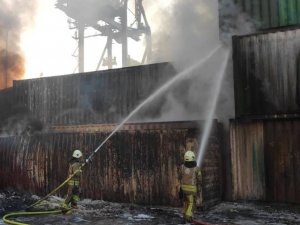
(233, 21)
(183, 33)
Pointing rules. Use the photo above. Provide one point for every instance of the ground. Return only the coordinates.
(99, 212)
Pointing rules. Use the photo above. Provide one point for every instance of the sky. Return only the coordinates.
(48, 43)
(49, 46)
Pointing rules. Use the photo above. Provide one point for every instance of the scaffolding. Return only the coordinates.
(110, 19)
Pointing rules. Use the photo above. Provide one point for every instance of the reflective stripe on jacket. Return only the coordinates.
(190, 178)
(73, 182)
(189, 188)
(74, 166)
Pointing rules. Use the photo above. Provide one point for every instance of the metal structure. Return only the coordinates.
(102, 97)
(265, 156)
(135, 165)
(79, 111)
(110, 19)
(265, 160)
(266, 73)
(270, 13)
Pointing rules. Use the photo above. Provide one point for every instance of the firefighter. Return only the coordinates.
(74, 182)
(190, 183)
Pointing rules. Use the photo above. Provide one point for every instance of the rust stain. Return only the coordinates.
(265, 160)
(135, 165)
(266, 72)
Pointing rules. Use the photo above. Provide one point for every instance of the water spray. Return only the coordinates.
(159, 91)
(212, 109)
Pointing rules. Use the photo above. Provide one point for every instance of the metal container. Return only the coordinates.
(266, 73)
(13, 113)
(138, 164)
(265, 160)
(94, 97)
(272, 13)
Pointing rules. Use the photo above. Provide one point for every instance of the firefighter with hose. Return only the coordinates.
(74, 183)
(190, 184)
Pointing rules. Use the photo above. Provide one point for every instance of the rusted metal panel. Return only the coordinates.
(12, 108)
(247, 160)
(213, 170)
(282, 160)
(94, 97)
(266, 73)
(275, 164)
(135, 165)
(91, 128)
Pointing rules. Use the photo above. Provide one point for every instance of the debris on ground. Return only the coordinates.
(99, 212)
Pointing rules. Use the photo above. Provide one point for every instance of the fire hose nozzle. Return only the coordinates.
(89, 159)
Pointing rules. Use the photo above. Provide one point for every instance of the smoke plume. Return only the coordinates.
(188, 30)
(183, 33)
(233, 21)
(15, 15)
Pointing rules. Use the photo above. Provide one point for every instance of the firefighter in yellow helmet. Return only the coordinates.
(190, 180)
(74, 182)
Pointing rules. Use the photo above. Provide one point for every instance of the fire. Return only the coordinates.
(15, 16)
(12, 67)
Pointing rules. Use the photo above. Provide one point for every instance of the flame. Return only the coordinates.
(15, 16)
(12, 67)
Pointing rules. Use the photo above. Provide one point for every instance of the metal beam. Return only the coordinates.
(80, 47)
(124, 35)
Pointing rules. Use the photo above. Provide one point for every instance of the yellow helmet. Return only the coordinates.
(189, 156)
(77, 154)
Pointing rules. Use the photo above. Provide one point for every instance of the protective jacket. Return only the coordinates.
(74, 166)
(73, 184)
(190, 177)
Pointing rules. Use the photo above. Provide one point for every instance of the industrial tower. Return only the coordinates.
(110, 19)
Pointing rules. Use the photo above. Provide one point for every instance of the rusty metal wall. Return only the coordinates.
(94, 97)
(247, 161)
(282, 153)
(10, 107)
(271, 13)
(138, 164)
(265, 159)
(266, 73)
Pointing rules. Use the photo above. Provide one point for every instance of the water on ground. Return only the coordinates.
(98, 212)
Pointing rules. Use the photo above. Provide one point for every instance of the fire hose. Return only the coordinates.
(16, 214)
(89, 159)
(162, 88)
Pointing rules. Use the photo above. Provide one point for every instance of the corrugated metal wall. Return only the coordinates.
(9, 106)
(138, 164)
(272, 13)
(95, 97)
(266, 79)
(247, 159)
(265, 158)
(265, 154)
